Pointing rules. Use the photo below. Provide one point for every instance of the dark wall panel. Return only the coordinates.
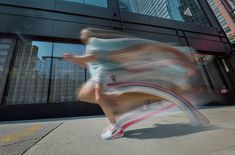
(39, 111)
(209, 46)
(52, 15)
(67, 29)
(152, 29)
(79, 8)
(141, 34)
(25, 25)
(202, 36)
(167, 38)
(71, 30)
(43, 4)
(225, 40)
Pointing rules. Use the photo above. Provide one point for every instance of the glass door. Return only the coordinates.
(212, 72)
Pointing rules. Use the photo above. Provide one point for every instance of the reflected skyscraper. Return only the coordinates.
(160, 8)
(191, 12)
(6, 51)
(230, 6)
(224, 12)
(156, 8)
(179, 10)
(25, 68)
(6, 46)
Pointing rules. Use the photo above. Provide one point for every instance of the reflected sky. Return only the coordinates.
(174, 7)
(45, 49)
(61, 48)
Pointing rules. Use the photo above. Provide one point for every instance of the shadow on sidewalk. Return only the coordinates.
(166, 131)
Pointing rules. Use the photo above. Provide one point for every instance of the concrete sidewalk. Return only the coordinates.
(164, 135)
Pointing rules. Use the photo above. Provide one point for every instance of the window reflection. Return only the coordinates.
(66, 77)
(6, 51)
(210, 72)
(179, 10)
(30, 73)
(37, 68)
(100, 3)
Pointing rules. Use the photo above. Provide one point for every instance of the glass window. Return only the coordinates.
(210, 1)
(223, 23)
(6, 52)
(211, 71)
(37, 68)
(227, 29)
(220, 16)
(213, 5)
(100, 3)
(30, 74)
(66, 77)
(179, 10)
(217, 11)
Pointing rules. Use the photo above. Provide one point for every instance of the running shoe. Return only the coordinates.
(112, 132)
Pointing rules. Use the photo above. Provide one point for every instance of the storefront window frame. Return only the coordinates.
(42, 39)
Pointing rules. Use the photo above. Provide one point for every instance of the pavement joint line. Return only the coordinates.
(20, 134)
(42, 138)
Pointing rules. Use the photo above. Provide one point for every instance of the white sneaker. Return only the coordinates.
(112, 132)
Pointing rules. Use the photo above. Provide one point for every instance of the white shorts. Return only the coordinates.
(103, 78)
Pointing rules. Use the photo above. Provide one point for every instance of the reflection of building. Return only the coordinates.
(6, 50)
(191, 12)
(230, 6)
(64, 80)
(157, 8)
(6, 45)
(224, 11)
(179, 10)
(129, 6)
(24, 74)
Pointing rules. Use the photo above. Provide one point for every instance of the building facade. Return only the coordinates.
(35, 82)
(230, 6)
(224, 12)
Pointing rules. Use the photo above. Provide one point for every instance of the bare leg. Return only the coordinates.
(87, 93)
(104, 103)
(113, 105)
(93, 93)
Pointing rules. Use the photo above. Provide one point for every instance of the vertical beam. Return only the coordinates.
(50, 74)
(116, 16)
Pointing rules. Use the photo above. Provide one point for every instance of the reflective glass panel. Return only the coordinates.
(30, 74)
(6, 52)
(66, 77)
(100, 3)
(187, 11)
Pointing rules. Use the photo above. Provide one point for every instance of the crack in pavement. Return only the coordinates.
(42, 137)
